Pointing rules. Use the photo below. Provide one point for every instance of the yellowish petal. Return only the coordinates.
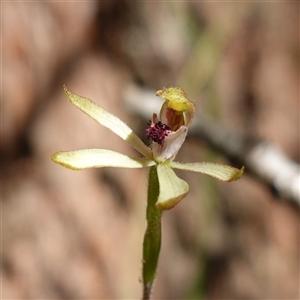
(177, 110)
(98, 158)
(172, 189)
(177, 98)
(218, 171)
(109, 121)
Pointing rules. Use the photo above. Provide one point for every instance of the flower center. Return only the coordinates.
(157, 132)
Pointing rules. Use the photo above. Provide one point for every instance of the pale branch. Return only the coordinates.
(261, 158)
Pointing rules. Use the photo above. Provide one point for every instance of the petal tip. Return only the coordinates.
(238, 175)
(170, 203)
(65, 89)
(68, 93)
(54, 156)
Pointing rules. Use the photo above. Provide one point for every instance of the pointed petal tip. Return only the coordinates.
(58, 158)
(66, 90)
(53, 157)
(238, 174)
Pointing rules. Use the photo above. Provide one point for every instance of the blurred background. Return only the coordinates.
(78, 235)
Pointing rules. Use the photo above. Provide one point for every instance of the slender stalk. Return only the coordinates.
(152, 238)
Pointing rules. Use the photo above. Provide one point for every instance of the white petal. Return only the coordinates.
(98, 158)
(172, 189)
(110, 121)
(173, 143)
(218, 171)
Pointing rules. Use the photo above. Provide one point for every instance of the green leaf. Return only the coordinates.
(109, 121)
(98, 158)
(172, 189)
(218, 171)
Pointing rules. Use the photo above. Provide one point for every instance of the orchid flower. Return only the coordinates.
(165, 188)
(166, 136)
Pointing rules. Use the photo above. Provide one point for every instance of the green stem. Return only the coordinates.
(152, 238)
